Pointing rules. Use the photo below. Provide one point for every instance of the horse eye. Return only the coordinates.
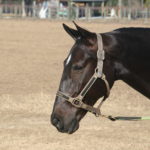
(76, 67)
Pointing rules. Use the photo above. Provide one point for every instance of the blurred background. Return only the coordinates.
(33, 46)
(76, 9)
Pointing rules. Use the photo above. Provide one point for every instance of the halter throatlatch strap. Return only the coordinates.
(78, 101)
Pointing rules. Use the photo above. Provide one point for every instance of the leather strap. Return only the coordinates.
(100, 56)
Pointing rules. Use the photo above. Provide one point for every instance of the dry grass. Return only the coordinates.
(30, 65)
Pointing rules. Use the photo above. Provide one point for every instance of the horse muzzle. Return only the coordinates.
(62, 127)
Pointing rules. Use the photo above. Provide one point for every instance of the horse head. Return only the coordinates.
(79, 67)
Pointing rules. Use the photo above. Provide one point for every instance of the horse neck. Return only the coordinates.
(128, 68)
(133, 79)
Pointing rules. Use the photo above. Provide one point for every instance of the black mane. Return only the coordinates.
(133, 30)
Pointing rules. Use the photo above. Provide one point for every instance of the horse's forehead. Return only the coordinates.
(74, 56)
(78, 51)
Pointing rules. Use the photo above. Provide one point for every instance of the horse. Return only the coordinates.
(94, 63)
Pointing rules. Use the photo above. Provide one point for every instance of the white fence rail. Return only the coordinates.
(36, 11)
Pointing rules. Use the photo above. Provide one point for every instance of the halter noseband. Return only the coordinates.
(78, 101)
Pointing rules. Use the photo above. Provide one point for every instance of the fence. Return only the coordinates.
(40, 11)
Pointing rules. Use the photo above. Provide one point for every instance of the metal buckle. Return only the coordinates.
(96, 70)
(97, 73)
(77, 102)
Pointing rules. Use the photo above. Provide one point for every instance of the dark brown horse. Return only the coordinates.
(126, 57)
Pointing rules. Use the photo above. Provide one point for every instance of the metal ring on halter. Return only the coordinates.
(77, 102)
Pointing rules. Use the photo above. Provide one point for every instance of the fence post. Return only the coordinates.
(69, 9)
(57, 12)
(77, 13)
(90, 12)
(87, 11)
(129, 10)
(102, 9)
(49, 12)
(146, 15)
(0, 10)
(120, 9)
(34, 8)
(142, 3)
(23, 9)
(124, 12)
(129, 14)
(15, 10)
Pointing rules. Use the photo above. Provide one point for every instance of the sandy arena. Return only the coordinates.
(31, 56)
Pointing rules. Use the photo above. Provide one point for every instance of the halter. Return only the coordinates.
(78, 101)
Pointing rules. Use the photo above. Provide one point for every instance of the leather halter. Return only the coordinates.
(78, 101)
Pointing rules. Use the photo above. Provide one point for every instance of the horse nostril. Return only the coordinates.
(57, 123)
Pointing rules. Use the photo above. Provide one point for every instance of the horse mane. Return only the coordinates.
(132, 29)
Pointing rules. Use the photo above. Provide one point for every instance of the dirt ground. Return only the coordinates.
(31, 56)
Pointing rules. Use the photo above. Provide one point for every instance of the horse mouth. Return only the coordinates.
(73, 127)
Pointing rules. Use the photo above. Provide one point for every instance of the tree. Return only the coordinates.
(127, 2)
(112, 3)
(147, 3)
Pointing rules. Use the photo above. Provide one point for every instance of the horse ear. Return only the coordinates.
(73, 33)
(83, 32)
(87, 35)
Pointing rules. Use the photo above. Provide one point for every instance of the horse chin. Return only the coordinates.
(74, 127)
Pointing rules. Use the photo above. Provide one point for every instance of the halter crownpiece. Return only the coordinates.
(78, 101)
